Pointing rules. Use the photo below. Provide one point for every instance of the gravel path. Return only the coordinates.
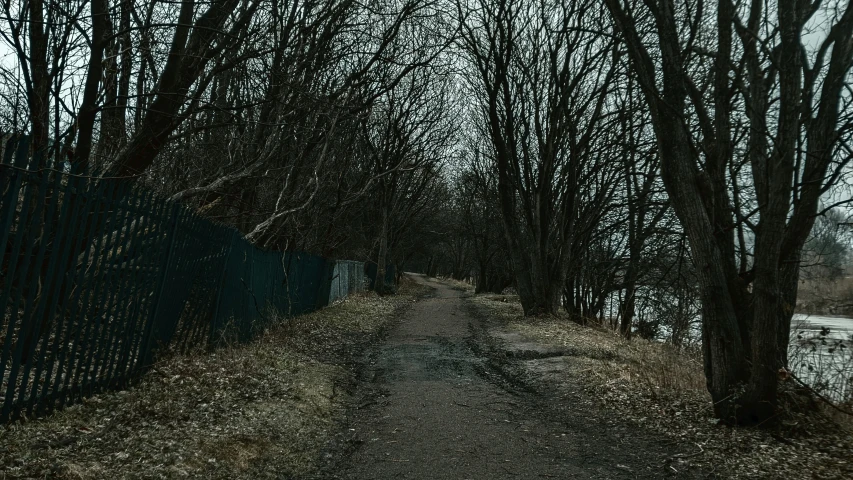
(437, 415)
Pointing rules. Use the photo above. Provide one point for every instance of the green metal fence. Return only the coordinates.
(99, 278)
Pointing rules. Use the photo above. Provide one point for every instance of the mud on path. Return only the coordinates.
(441, 412)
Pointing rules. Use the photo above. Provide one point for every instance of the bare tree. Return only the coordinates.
(480, 215)
(733, 100)
(645, 204)
(406, 140)
(541, 81)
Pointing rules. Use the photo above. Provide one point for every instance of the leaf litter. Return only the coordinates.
(662, 388)
(265, 409)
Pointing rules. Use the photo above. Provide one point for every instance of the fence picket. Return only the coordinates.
(119, 277)
(35, 310)
(138, 281)
(101, 337)
(64, 323)
(78, 312)
(62, 249)
(26, 224)
(123, 324)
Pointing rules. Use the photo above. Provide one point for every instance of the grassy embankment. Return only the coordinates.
(662, 388)
(267, 409)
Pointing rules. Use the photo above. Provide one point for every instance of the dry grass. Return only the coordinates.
(653, 365)
(663, 389)
(458, 284)
(261, 410)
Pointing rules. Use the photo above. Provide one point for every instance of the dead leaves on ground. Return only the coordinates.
(659, 388)
(261, 410)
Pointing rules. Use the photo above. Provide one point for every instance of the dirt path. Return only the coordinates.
(438, 417)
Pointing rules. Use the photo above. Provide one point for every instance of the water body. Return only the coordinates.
(821, 353)
(839, 327)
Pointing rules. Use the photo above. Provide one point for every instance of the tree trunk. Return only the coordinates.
(382, 257)
(538, 280)
(726, 368)
(482, 281)
(627, 310)
(39, 95)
